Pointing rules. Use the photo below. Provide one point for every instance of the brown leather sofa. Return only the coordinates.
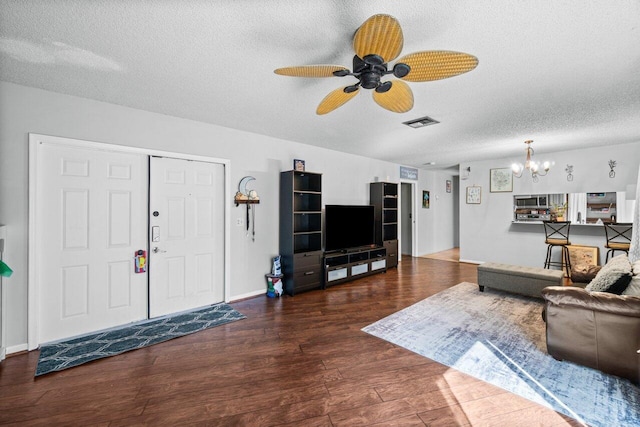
(595, 329)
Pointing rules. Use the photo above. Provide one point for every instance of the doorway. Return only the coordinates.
(406, 219)
(89, 218)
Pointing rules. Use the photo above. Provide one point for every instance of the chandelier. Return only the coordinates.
(534, 168)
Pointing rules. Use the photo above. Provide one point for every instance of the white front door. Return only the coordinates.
(186, 248)
(91, 219)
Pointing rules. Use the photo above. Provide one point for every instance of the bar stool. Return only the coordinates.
(557, 235)
(618, 237)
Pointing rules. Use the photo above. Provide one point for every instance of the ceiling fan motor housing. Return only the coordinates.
(369, 71)
(370, 79)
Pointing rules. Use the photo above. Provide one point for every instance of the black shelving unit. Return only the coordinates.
(301, 230)
(342, 267)
(384, 197)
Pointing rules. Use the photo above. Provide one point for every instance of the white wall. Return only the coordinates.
(437, 225)
(26, 110)
(486, 231)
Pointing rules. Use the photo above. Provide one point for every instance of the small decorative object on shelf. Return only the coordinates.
(298, 165)
(612, 165)
(569, 171)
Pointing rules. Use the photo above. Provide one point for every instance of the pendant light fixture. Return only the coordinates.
(534, 168)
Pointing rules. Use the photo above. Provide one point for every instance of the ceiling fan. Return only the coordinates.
(378, 41)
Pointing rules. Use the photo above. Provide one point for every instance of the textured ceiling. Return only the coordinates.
(563, 73)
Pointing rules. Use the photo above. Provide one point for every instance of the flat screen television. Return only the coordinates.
(348, 226)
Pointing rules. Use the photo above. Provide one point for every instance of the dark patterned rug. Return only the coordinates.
(500, 338)
(67, 354)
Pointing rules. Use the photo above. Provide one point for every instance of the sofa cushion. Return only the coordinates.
(619, 262)
(634, 287)
(584, 273)
(614, 277)
(603, 302)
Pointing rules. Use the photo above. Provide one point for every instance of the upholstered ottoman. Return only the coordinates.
(517, 279)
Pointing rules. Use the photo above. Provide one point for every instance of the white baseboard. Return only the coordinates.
(17, 348)
(470, 261)
(247, 295)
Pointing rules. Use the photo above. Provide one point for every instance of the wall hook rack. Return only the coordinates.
(244, 196)
(248, 198)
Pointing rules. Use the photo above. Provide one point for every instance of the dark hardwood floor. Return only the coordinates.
(299, 361)
(452, 254)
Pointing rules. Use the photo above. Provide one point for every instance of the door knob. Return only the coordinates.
(157, 250)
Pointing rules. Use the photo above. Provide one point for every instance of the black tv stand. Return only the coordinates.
(353, 263)
(351, 250)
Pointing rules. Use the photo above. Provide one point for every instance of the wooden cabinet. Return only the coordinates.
(391, 249)
(384, 198)
(301, 230)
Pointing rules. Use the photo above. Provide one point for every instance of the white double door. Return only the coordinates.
(96, 210)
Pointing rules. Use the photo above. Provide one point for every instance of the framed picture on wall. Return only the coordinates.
(501, 180)
(448, 186)
(425, 199)
(474, 195)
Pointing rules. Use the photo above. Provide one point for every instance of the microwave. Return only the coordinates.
(531, 201)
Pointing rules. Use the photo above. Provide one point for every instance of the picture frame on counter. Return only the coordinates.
(474, 195)
(501, 180)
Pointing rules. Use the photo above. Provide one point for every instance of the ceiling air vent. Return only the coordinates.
(421, 122)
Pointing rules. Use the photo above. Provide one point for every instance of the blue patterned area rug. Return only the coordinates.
(67, 354)
(500, 338)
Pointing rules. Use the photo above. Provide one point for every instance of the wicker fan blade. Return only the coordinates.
(379, 35)
(335, 99)
(310, 70)
(398, 99)
(437, 64)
